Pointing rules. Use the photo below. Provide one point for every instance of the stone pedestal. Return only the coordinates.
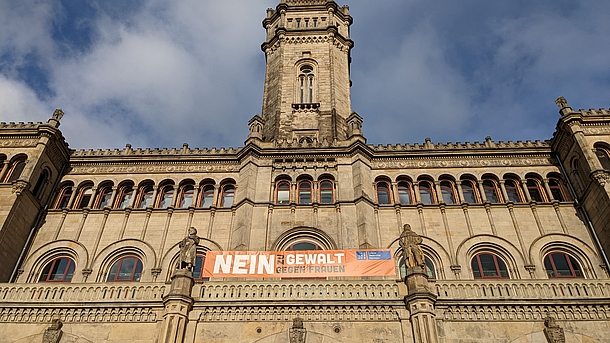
(420, 303)
(178, 303)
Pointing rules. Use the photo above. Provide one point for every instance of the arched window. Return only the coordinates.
(63, 199)
(41, 184)
(326, 192)
(124, 196)
(491, 191)
(303, 246)
(533, 188)
(557, 190)
(404, 193)
(145, 196)
(512, 190)
(306, 83)
(304, 192)
(560, 264)
(447, 192)
(198, 269)
(283, 193)
(83, 199)
(186, 196)
(207, 196)
(103, 197)
(469, 192)
(128, 268)
(383, 193)
(228, 195)
(15, 172)
(166, 196)
(430, 270)
(425, 192)
(488, 266)
(60, 269)
(602, 156)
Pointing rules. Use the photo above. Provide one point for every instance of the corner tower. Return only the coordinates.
(307, 80)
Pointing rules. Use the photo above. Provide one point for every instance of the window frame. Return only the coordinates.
(493, 189)
(518, 190)
(102, 192)
(300, 190)
(433, 198)
(182, 191)
(168, 192)
(119, 264)
(79, 202)
(200, 278)
(203, 193)
(122, 193)
(278, 189)
(496, 258)
(604, 160)
(143, 193)
(225, 195)
(330, 189)
(64, 193)
(537, 186)
(569, 259)
(388, 192)
(473, 188)
(51, 264)
(11, 176)
(559, 188)
(448, 185)
(404, 187)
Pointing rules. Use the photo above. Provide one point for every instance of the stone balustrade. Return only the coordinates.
(522, 289)
(95, 292)
(298, 290)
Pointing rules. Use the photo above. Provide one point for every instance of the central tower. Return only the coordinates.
(307, 80)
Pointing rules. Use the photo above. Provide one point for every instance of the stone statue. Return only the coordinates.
(298, 333)
(410, 242)
(53, 333)
(553, 332)
(561, 102)
(188, 250)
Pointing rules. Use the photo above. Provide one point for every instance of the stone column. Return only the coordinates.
(178, 303)
(420, 303)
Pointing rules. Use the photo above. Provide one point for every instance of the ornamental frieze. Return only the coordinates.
(462, 163)
(18, 143)
(150, 169)
(596, 130)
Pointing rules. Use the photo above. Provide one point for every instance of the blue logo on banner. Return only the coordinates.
(379, 255)
(360, 255)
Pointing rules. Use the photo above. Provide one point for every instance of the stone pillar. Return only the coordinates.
(420, 303)
(178, 303)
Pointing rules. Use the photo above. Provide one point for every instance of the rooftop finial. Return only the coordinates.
(564, 108)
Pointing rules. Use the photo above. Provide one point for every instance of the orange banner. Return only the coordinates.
(302, 264)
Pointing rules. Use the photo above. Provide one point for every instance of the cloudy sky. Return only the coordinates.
(158, 73)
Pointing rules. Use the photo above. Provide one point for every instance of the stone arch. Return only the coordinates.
(504, 249)
(41, 256)
(104, 259)
(304, 232)
(569, 244)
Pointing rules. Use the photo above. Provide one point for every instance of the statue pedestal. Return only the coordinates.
(420, 303)
(178, 303)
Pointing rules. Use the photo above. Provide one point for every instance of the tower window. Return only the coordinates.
(383, 193)
(425, 192)
(447, 192)
(228, 195)
(126, 269)
(404, 193)
(469, 192)
(283, 192)
(559, 264)
(305, 192)
(488, 266)
(491, 191)
(207, 198)
(59, 270)
(125, 194)
(326, 192)
(306, 82)
(512, 191)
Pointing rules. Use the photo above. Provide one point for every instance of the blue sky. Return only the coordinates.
(158, 73)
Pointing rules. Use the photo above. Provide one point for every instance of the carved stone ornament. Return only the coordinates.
(601, 177)
(53, 333)
(410, 243)
(298, 333)
(19, 186)
(188, 250)
(58, 114)
(553, 332)
(561, 102)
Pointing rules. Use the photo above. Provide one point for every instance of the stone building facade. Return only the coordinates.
(515, 234)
